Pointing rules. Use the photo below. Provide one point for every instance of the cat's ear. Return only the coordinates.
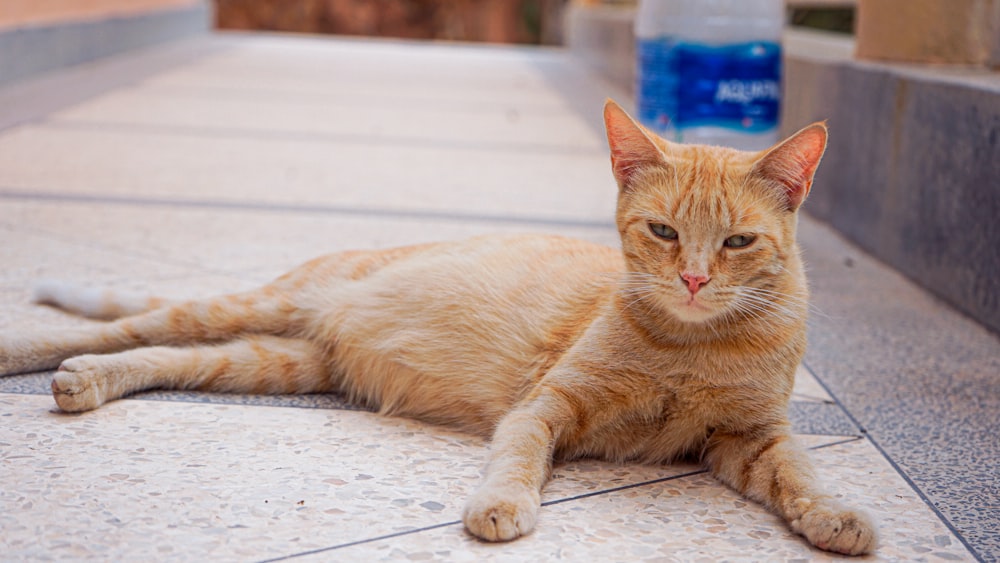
(790, 165)
(631, 147)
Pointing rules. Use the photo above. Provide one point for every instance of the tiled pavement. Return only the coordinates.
(215, 164)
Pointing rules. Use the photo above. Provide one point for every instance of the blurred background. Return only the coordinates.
(204, 144)
(494, 21)
(536, 22)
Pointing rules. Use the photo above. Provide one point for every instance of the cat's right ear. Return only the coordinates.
(631, 147)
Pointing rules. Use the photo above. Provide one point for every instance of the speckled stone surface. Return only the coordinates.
(149, 479)
(921, 379)
(218, 174)
(686, 519)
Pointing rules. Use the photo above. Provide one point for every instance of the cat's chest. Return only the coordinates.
(687, 406)
(674, 418)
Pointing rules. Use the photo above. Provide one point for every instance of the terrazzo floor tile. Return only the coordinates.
(419, 74)
(237, 241)
(691, 518)
(557, 130)
(808, 389)
(195, 165)
(144, 479)
(147, 479)
(217, 79)
(509, 70)
(31, 253)
(468, 74)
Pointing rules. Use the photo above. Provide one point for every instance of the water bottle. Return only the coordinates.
(709, 71)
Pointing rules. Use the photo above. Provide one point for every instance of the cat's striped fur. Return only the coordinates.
(684, 343)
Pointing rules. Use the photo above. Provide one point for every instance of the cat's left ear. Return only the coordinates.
(790, 165)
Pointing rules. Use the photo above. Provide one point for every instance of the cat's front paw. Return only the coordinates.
(501, 513)
(77, 386)
(829, 525)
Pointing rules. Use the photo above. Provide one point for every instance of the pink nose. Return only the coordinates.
(694, 281)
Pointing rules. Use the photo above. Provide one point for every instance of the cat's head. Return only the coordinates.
(708, 233)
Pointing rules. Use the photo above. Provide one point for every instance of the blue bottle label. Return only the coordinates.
(683, 85)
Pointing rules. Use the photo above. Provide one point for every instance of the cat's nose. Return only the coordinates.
(694, 282)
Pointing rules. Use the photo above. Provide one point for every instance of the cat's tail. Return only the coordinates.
(94, 303)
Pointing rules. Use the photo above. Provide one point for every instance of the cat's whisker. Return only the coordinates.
(756, 307)
(632, 303)
(646, 291)
(765, 304)
(637, 293)
(769, 315)
(771, 295)
(747, 311)
(787, 298)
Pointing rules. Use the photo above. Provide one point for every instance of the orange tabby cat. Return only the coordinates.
(684, 343)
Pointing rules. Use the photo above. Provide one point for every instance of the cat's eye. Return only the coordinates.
(739, 241)
(663, 231)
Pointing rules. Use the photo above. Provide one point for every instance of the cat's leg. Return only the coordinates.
(269, 310)
(773, 470)
(506, 505)
(264, 311)
(257, 364)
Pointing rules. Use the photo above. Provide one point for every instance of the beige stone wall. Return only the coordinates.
(20, 13)
(496, 21)
(930, 31)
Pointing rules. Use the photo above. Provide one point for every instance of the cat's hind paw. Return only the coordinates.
(833, 527)
(501, 513)
(76, 387)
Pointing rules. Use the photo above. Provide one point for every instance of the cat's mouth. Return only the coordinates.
(693, 309)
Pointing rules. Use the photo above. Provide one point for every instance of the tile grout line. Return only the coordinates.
(899, 470)
(361, 542)
(624, 487)
(219, 132)
(302, 208)
(547, 503)
(340, 99)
